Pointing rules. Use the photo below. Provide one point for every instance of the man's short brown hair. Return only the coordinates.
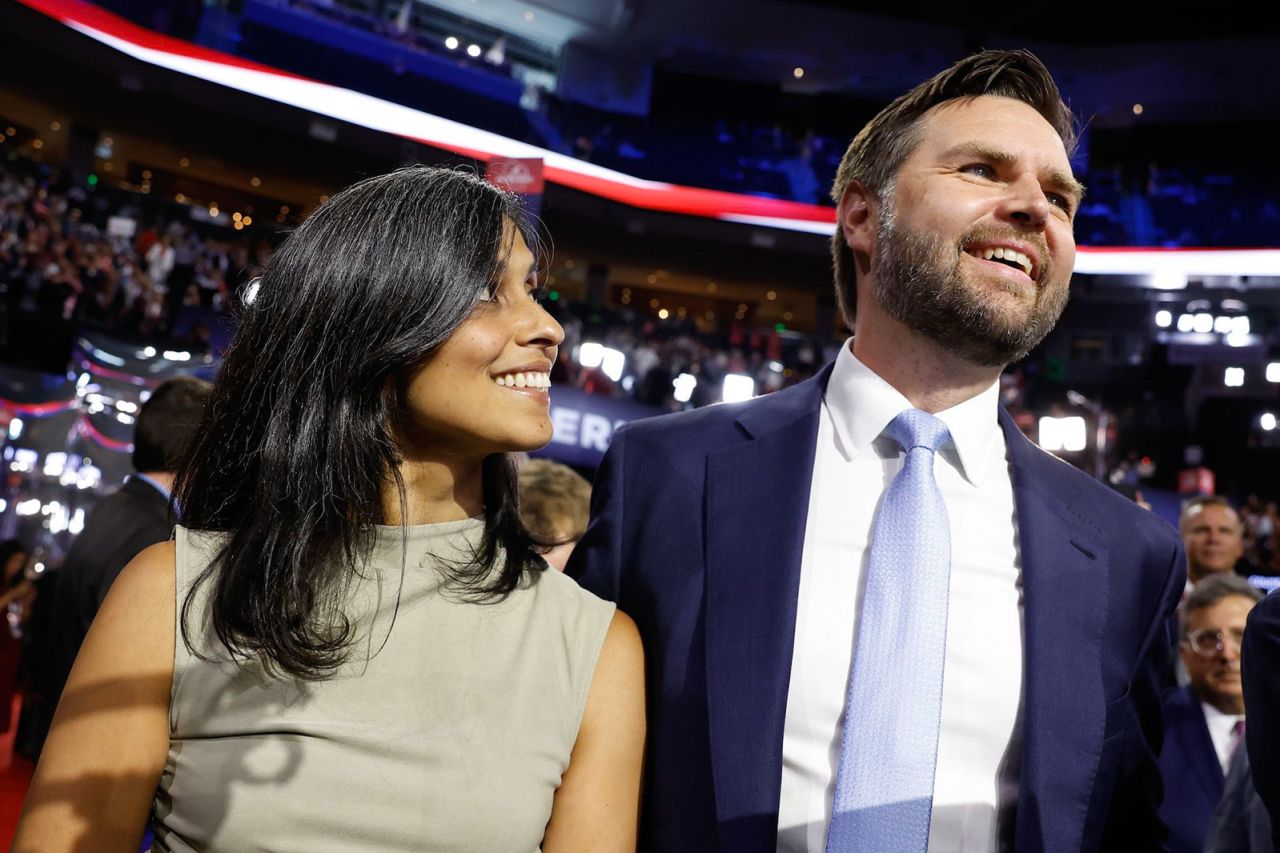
(1195, 506)
(884, 144)
(555, 502)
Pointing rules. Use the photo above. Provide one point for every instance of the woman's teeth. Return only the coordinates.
(524, 380)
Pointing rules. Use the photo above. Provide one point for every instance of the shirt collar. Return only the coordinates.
(861, 404)
(168, 495)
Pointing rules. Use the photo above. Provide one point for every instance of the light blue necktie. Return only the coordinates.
(884, 787)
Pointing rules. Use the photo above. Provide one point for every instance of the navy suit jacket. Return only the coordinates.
(1193, 779)
(698, 527)
(1260, 672)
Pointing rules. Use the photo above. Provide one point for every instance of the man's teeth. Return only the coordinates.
(1002, 254)
(524, 380)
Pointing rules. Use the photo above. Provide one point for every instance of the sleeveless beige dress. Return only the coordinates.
(447, 729)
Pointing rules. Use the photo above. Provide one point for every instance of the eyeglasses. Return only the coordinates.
(1209, 641)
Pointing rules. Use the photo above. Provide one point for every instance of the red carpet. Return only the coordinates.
(15, 776)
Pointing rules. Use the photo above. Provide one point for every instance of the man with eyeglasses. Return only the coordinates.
(1204, 721)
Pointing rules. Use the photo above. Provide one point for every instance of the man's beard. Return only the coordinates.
(919, 282)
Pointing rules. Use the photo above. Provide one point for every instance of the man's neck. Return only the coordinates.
(1232, 705)
(165, 479)
(931, 378)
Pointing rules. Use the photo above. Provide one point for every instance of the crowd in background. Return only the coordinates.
(63, 261)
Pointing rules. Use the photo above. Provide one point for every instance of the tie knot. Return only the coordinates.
(914, 428)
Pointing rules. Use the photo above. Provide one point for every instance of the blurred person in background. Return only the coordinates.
(137, 515)
(1205, 720)
(748, 541)
(1260, 671)
(16, 597)
(555, 502)
(352, 642)
(1212, 535)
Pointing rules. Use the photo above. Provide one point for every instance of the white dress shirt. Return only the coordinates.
(982, 675)
(1221, 732)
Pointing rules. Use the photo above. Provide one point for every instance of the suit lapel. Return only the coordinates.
(1064, 569)
(757, 507)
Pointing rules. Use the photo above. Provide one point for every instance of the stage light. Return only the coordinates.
(1222, 325)
(473, 50)
(613, 362)
(797, 72)
(1164, 319)
(663, 313)
(1267, 421)
(451, 42)
(1202, 323)
(1233, 377)
(684, 385)
(590, 354)
(1186, 322)
(15, 428)
(1240, 325)
(1067, 434)
(1273, 371)
(737, 388)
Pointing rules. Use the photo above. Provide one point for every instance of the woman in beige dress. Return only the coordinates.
(352, 643)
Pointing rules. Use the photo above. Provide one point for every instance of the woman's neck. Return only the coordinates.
(435, 491)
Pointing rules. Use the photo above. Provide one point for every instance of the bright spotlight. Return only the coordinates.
(1233, 377)
(684, 385)
(451, 42)
(1273, 371)
(473, 50)
(1267, 421)
(1240, 325)
(590, 354)
(1063, 434)
(1185, 322)
(1221, 325)
(738, 388)
(1202, 323)
(1164, 319)
(613, 362)
(15, 428)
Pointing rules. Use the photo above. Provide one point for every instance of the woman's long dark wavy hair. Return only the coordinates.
(296, 444)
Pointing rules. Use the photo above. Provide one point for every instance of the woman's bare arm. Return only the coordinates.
(598, 802)
(106, 750)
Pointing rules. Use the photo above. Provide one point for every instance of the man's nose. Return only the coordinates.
(1025, 205)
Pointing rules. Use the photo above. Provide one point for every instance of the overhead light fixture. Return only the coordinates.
(473, 50)
(1164, 319)
(1233, 377)
(1267, 421)
(451, 42)
(1186, 322)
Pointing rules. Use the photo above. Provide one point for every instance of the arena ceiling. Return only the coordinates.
(1180, 66)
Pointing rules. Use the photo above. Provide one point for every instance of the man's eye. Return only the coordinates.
(982, 170)
(1059, 200)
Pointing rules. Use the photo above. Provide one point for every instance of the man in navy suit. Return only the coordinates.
(1260, 665)
(738, 536)
(1204, 721)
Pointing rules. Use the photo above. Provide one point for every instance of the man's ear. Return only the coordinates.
(858, 218)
